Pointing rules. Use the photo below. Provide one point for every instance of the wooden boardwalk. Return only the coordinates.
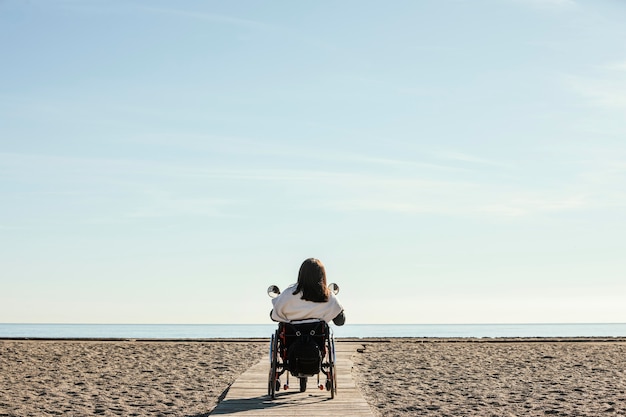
(248, 395)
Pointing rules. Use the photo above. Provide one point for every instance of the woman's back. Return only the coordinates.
(309, 298)
(291, 307)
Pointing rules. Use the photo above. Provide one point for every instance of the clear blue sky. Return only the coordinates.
(449, 161)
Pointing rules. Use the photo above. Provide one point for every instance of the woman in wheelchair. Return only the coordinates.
(303, 345)
(309, 298)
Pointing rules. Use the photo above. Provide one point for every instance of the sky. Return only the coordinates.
(449, 161)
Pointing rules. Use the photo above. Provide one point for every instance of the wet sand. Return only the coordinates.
(398, 377)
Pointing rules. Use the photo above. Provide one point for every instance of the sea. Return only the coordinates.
(232, 331)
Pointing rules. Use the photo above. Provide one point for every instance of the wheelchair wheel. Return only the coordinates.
(303, 384)
(331, 384)
(273, 382)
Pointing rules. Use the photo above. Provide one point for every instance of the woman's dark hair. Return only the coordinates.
(312, 281)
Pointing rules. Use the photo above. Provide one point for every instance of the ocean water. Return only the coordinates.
(206, 331)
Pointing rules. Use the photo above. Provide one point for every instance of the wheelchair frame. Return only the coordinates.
(278, 360)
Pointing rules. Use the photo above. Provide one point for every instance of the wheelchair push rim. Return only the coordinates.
(273, 383)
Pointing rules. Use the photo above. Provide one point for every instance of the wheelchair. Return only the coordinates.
(303, 349)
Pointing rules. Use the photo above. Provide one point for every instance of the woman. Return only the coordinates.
(309, 298)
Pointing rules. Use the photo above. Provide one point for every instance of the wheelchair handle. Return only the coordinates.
(273, 291)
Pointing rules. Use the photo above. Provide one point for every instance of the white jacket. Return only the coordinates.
(289, 307)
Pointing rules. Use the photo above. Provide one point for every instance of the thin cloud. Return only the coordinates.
(521, 206)
(615, 66)
(547, 4)
(386, 162)
(256, 147)
(210, 17)
(464, 157)
(607, 89)
(162, 189)
(605, 92)
(79, 6)
(170, 206)
(457, 200)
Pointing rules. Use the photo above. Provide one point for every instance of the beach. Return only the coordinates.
(403, 377)
(519, 378)
(119, 378)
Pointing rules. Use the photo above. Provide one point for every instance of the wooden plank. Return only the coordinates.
(248, 395)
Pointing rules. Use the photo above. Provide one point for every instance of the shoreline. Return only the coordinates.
(522, 339)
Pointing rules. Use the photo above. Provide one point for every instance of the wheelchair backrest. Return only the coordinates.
(304, 346)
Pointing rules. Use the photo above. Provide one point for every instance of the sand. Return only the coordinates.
(411, 378)
(41, 378)
(397, 378)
